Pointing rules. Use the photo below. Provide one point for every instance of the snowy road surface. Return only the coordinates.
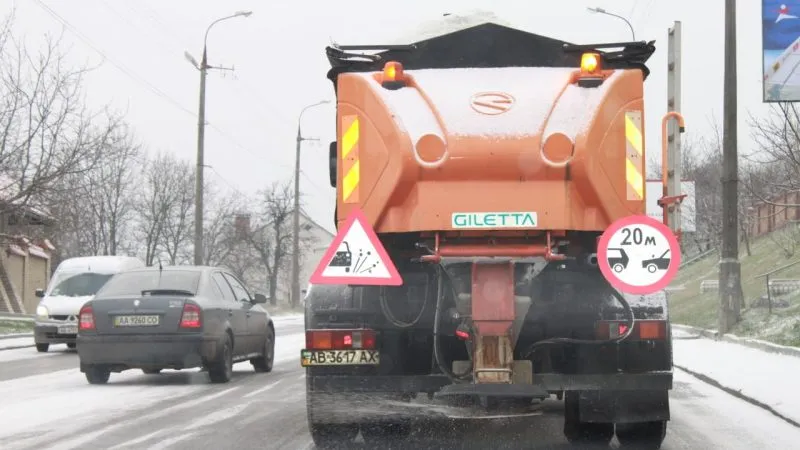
(47, 404)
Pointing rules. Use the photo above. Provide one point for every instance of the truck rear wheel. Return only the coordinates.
(578, 432)
(645, 436)
(384, 435)
(327, 435)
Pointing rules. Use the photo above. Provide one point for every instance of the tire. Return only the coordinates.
(97, 375)
(72, 345)
(644, 436)
(151, 371)
(42, 348)
(221, 371)
(384, 435)
(652, 268)
(618, 268)
(264, 363)
(583, 433)
(327, 435)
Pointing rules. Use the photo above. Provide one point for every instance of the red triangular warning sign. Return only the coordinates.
(356, 257)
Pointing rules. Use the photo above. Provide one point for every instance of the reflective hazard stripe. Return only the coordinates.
(350, 164)
(634, 155)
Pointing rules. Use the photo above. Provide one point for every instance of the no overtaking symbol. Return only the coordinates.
(638, 255)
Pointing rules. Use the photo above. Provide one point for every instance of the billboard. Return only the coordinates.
(688, 207)
(780, 32)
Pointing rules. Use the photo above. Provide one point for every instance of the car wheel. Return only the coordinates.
(221, 371)
(618, 268)
(264, 363)
(652, 268)
(97, 375)
(151, 371)
(646, 435)
(71, 345)
(42, 348)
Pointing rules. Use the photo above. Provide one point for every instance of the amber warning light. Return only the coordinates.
(393, 77)
(590, 63)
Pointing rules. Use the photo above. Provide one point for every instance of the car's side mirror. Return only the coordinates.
(259, 298)
(40, 293)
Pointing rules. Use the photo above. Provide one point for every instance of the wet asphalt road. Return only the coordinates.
(47, 404)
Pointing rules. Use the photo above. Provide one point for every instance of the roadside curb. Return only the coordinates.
(765, 346)
(15, 336)
(738, 394)
(17, 347)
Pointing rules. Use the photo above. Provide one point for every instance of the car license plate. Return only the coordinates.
(136, 321)
(67, 329)
(339, 357)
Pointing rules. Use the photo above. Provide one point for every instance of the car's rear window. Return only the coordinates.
(133, 283)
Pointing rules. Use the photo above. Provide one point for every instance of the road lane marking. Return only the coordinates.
(90, 437)
(262, 390)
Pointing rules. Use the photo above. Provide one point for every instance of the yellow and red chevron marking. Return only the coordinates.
(350, 165)
(634, 155)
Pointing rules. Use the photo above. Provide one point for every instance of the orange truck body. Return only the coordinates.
(494, 160)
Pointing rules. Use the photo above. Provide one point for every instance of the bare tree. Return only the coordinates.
(219, 236)
(272, 235)
(178, 227)
(46, 132)
(159, 197)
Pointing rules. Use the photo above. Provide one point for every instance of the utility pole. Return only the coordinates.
(295, 294)
(730, 283)
(674, 161)
(201, 136)
(198, 179)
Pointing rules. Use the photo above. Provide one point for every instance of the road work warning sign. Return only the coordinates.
(356, 256)
(638, 255)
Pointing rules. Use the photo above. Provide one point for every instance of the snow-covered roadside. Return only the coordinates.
(765, 377)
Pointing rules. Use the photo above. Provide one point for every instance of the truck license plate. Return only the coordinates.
(67, 329)
(339, 357)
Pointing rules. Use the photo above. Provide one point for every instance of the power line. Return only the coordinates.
(115, 63)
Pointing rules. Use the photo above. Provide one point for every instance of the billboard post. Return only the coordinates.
(780, 31)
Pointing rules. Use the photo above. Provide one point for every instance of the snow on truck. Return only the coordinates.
(485, 164)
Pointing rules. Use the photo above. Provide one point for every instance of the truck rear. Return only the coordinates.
(488, 162)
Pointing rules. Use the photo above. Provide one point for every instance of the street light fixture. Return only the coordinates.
(201, 124)
(603, 11)
(295, 294)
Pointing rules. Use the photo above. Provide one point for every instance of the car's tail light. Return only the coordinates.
(190, 318)
(86, 318)
(340, 339)
(642, 330)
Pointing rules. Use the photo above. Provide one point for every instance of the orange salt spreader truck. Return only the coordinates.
(489, 161)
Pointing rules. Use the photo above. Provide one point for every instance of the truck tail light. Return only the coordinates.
(86, 318)
(645, 330)
(190, 318)
(340, 339)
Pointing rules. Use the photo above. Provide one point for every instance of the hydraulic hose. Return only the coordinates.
(631, 323)
(437, 354)
(387, 312)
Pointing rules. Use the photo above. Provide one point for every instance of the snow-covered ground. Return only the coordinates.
(766, 377)
(61, 401)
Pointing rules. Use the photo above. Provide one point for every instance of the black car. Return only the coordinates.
(176, 317)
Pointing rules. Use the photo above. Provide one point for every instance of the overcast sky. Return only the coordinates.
(278, 54)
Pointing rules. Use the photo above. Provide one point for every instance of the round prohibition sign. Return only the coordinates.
(638, 255)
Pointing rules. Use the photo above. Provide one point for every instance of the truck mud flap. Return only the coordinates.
(624, 406)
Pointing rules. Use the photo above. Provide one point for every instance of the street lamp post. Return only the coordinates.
(201, 125)
(603, 11)
(295, 295)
